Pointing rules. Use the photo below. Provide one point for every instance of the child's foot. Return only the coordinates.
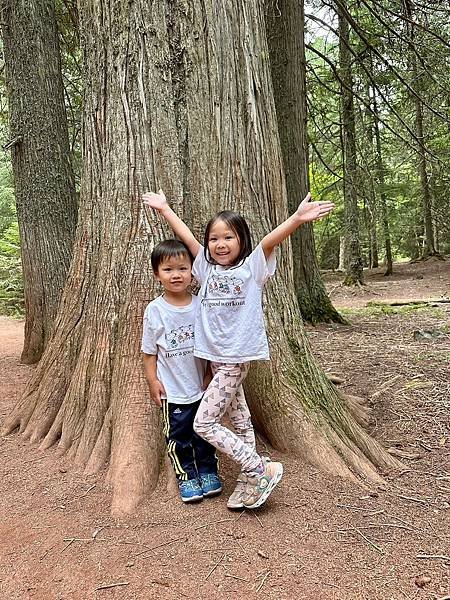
(210, 484)
(259, 487)
(237, 497)
(190, 490)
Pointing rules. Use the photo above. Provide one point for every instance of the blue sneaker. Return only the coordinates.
(190, 490)
(211, 484)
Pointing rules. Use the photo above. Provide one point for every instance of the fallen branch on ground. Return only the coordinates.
(111, 585)
(434, 557)
(408, 302)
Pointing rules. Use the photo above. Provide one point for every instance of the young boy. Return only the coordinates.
(175, 377)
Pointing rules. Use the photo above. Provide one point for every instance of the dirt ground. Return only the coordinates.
(317, 537)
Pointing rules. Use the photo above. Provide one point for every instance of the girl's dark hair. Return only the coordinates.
(169, 249)
(239, 226)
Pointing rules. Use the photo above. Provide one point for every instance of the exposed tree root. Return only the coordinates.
(307, 416)
(101, 451)
(428, 256)
(359, 409)
(351, 281)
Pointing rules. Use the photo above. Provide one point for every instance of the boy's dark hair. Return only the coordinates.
(169, 249)
(236, 223)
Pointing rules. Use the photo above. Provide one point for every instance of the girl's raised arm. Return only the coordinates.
(307, 211)
(158, 202)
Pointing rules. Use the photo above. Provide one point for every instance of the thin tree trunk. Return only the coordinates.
(285, 22)
(429, 248)
(371, 225)
(368, 231)
(383, 196)
(180, 98)
(426, 195)
(371, 203)
(354, 268)
(341, 266)
(43, 177)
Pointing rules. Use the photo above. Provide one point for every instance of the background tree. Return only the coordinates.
(285, 23)
(353, 260)
(43, 177)
(381, 183)
(416, 88)
(380, 52)
(177, 96)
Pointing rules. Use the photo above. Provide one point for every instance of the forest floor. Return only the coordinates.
(318, 537)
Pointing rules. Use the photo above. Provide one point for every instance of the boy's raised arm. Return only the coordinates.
(307, 211)
(158, 202)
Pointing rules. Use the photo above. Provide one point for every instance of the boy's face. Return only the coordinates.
(174, 273)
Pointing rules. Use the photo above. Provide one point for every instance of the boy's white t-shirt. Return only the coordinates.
(168, 333)
(229, 327)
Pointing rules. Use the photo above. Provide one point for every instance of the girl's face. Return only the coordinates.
(223, 244)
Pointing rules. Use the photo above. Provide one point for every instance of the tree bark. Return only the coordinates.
(43, 177)
(285, 23)
(354, 268)
(180, 98)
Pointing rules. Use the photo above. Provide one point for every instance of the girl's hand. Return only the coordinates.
(157, 201)
(156, 391)
(310, 211)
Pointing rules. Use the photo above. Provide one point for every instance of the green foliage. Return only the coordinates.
(71, 58)
(11, 282)
(7, 203)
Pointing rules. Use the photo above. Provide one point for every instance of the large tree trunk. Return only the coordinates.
(43, 177)
(354, 267)
(180, 97)
(285, 22)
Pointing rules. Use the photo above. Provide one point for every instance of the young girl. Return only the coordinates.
(230, 331)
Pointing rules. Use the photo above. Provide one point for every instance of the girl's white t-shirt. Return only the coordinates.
(168, 333)
(229, 327)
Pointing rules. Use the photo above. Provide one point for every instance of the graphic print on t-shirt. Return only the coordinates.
(224, 290)
(180, 339)
(220, 286)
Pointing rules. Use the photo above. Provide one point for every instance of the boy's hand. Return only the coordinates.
(157, 201)
(156, 391)
(310, 211)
